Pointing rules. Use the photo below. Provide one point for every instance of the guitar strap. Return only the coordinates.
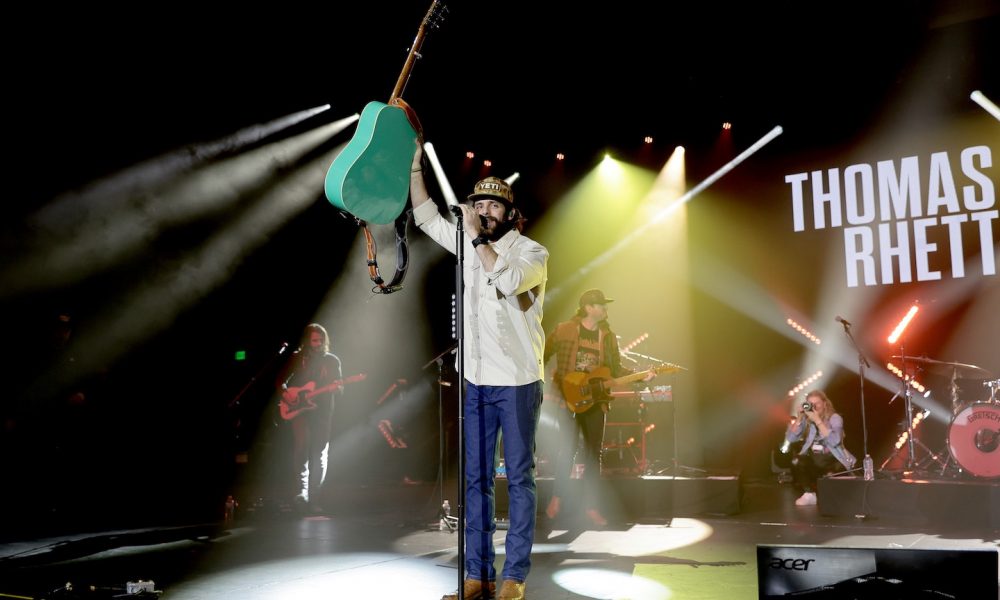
(402, 256)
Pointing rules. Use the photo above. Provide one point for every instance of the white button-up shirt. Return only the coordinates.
(504, 339)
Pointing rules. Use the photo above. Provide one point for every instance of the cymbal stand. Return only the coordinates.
(993, 386)
(908, 410)
(932, 456)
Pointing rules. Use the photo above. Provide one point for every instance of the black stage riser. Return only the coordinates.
(917, 502)
(637, 499)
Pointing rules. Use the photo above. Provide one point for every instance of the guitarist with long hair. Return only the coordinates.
(311, 367)
(585, 343)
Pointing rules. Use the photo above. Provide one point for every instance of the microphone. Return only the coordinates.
(457, 211)
(284, 346)
(842, 321)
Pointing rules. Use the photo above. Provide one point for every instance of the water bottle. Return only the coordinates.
(445, 513)
(869, 468)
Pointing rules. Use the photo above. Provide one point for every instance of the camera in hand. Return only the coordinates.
(807, 406)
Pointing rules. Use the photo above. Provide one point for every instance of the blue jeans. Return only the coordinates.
(488, 410)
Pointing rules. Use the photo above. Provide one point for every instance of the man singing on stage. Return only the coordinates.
(504, 275)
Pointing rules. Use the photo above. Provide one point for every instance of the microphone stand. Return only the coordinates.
(867, 466)
(460, 363)
(862, 363)
(236, 399)
(235, 402)
(439, 360)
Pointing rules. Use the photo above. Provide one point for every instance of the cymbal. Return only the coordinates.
(948, 368)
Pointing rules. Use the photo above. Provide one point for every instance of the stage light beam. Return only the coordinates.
(442, 180)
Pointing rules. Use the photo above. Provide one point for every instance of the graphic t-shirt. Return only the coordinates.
(588, 354)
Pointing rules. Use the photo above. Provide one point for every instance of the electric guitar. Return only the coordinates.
(304, 394)
(370, 178)
(583, 390)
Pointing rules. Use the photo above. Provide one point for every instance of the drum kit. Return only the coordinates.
(974, 432)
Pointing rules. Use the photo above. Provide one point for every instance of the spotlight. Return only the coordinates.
(560, 156)
(487, 163)
(649, 139)
(470, 155)
(727, 125)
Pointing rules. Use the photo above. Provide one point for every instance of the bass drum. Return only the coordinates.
(974, 439)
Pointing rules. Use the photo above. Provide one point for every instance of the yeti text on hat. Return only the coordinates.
(492, 187)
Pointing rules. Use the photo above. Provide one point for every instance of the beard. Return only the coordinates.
(493, 229)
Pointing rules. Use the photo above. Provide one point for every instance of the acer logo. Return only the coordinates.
(791, 564)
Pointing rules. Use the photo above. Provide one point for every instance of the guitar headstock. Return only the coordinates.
(435, 14)
(668, 368)
(433, 18)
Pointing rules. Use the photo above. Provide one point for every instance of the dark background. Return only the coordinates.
(91, 92)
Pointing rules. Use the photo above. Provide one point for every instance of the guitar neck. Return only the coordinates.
(411, 58)
(325, 388)
(626, 379)
(664, 368)
(332, 386)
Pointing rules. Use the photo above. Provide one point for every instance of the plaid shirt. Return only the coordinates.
(564, 342)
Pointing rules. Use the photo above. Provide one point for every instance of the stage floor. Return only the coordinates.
(383, 542)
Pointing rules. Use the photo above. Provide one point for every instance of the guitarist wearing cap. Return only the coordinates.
(310, 367)
(584, 344)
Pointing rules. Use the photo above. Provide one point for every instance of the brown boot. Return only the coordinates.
(473, 590)
(511, 590)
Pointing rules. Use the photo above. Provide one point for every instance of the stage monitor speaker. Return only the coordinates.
(822, 572)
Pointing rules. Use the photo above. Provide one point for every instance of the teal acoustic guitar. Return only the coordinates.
(370, 178)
